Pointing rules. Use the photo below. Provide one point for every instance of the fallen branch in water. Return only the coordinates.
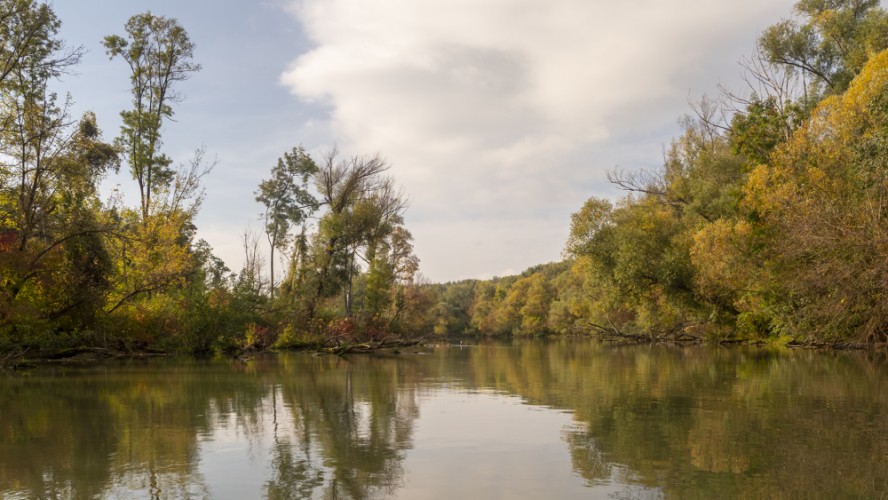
(13, 359)
(812, 344)
(370, 346)
(612, 333)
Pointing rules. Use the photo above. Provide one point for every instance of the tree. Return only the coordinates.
(155, 255)
(54, 262)
(370, 226)
(287, 199)
(829, 42)
(54, 220)
(340, 184)
(29, 44)
(822, 204)
(159, 54)
(35, 129)
(391, 267)
(586, 224)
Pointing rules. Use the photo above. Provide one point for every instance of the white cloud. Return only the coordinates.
(484, 107)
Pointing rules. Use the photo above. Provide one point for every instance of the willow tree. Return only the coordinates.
(341, 184)
(362, 209)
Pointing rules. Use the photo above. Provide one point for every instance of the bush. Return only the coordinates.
(289, 338)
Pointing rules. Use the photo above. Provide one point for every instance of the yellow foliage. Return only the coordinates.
(820, 218)
(154, 253)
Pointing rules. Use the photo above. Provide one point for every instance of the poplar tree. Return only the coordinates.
(159, 54)
(287, 199)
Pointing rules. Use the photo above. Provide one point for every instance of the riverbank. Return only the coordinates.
(24, 359)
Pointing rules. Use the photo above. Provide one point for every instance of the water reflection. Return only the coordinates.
(564, 419)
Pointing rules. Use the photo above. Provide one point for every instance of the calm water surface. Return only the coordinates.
(567, 419)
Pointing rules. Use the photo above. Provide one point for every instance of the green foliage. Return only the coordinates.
(587, 224)
(158, 52)
(287, 200)
(829, 41)
(767, 224)
(823, 196)
(762, 126)
(452, 311)
(291, 338)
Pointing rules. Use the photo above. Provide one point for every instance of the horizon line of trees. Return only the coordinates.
(767, 221)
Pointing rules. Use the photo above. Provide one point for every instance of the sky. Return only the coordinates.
(499, 118)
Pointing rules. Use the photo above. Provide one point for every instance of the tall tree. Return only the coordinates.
(341, 185)
(361, 253)
(159, 54)
(287, 199)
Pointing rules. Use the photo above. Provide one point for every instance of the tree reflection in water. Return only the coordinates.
(646, 422)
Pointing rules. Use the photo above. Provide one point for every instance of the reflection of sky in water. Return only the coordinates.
(465, 444)
(487, 445)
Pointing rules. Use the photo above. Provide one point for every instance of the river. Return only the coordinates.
(524, 419)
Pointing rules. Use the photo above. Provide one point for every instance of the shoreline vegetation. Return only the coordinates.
(767, 223)
(89, 355)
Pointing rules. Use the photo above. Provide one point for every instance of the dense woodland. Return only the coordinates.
(765, 221)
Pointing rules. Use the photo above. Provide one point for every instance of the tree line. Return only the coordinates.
(767, 221)
(79, 272)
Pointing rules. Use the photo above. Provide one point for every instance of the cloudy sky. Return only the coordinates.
(499, 117)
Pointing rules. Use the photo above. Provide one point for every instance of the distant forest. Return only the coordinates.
(766, 222)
